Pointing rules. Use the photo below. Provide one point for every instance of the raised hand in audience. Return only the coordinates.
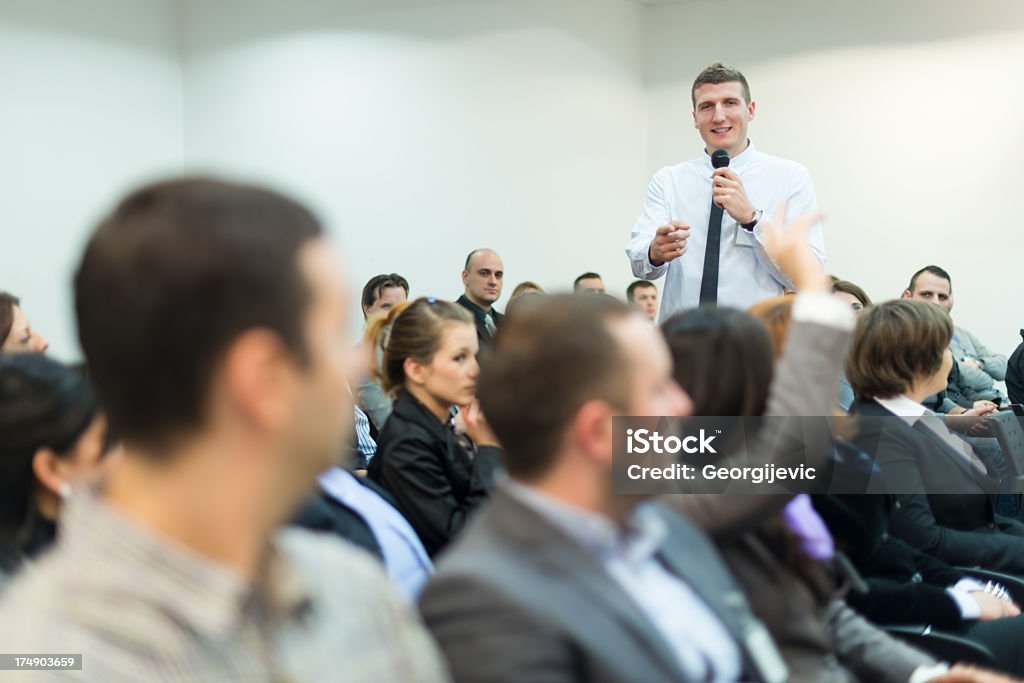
(789, 248)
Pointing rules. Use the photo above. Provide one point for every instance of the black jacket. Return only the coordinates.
(906, 586)
(946, 506)
(482, 335)
(435, 482)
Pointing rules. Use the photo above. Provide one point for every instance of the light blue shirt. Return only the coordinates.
(746, 273)
(405, 559)
(704, 648)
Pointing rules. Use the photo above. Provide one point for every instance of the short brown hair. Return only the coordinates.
(412, 330)
(847, 287)
(7, 304)
(550, 359)
(896, 343)
(719, 73)
(170, 279)
(776, 314)
(378, 283)
(525, 288)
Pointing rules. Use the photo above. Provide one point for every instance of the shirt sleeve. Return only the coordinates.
(655, 214)
(824, 309)
(800, 199)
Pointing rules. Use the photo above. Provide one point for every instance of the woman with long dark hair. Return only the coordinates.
(52, 436)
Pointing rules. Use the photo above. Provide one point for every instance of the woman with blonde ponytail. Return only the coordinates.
(429, 365)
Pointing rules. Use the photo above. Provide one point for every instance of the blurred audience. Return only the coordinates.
(527, 287)
(52, 438)
(178, 570)
(16, 333)
(588, 283)
(643, 294)
(380, 294)
(852, 295)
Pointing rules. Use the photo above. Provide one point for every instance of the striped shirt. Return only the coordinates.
(139, 607)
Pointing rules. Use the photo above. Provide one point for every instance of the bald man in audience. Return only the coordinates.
(229, 388)
(483, 277)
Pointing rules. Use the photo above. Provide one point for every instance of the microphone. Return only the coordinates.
(709, 280)
(720, 158)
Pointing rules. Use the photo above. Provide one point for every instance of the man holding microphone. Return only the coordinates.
(701, 221)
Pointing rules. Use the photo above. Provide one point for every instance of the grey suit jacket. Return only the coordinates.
(516, 599)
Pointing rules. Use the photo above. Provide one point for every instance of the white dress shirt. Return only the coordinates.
(746, 273)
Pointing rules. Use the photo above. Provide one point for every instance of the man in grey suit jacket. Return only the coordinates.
(560, 579)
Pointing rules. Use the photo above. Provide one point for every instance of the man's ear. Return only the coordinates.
(592, 430)
(751, 110)
(48, 470)
(906, 294)
(259, 380)
(465, 277)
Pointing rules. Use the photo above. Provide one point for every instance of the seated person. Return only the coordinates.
(430, 364)
(560, 580)
(783, 563)
(1015, 373)
(644, 295)
(363, 513)
(16, 333)
(588, 283)
(52, 437)
(978, 368)
(900, 354)
(852, 295)
(905, 586)
(483, 277)
(380, 294)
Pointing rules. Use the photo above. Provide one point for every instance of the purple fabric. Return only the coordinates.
(804, 521)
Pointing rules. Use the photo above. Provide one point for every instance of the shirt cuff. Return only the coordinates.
(969, 607)
(824, 309)
(927, 672)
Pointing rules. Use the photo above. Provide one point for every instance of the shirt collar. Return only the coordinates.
(904, 407)
(739, 161)
(635, 542)
(204, 595)
(474, 309)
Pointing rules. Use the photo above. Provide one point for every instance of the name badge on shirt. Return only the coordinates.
(743, 238)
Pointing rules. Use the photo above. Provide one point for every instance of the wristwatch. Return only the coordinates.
(757, 217)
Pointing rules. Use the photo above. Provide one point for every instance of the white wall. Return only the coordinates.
(420, 129)
(90, 105)
(907, 113)
(423, 129)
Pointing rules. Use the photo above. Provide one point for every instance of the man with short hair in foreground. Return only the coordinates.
(213, 318)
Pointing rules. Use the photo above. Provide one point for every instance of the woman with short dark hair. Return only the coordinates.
(899, 356)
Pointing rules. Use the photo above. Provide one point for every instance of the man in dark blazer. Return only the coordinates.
(560, 579)
(483, 277)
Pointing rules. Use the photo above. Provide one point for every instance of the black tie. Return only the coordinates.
(709, 282)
